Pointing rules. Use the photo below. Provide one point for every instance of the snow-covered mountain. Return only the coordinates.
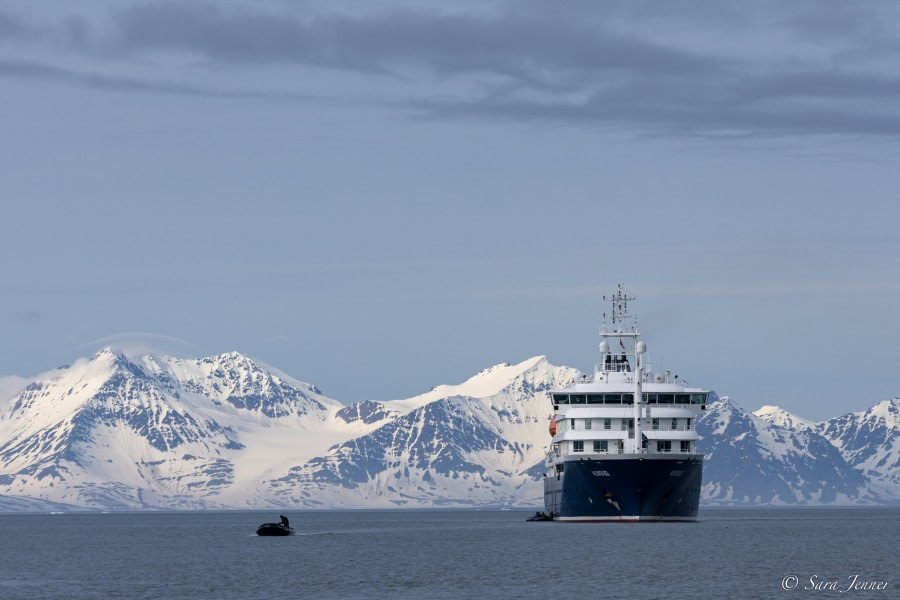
(480, 442)
(113, 431)
(110, 431)
(782, 418)
(12, 504)
(755, 459)
(868, 441)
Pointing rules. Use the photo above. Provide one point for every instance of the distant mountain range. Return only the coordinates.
(154, 432)
(773, 457)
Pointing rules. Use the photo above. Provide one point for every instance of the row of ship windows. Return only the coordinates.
(601, 446)
(673, 424)
(649, 398)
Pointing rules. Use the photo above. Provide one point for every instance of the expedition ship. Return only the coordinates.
(624, 446)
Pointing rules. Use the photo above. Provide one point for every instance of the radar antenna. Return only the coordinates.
(619, 311)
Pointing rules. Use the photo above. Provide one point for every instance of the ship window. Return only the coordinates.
(683, 399)
(674, 423)
(587, 423)
(560, 398)
(685, 446)
(600, 446)
(628, 398)
(577, 399)
(595, 398)
(655, 424)
(664, 446)
(650, 398)
(578, 446)
(666, 398)
(607, 423)
(613, 398)
(687, 424)
(698, 398)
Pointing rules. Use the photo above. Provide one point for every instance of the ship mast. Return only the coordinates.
(623, 326)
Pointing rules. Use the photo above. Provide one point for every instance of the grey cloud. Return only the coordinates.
(603, 65)
(690, 116)
(242, 37)
(635, 66)
(12, 26)
(25, 69)
(388, 42)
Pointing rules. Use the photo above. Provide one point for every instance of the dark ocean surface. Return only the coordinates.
(453, 554)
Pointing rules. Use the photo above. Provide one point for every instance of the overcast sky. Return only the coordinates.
(381, 199)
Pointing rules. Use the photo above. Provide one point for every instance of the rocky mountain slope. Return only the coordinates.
(226, 431)
(754, 459)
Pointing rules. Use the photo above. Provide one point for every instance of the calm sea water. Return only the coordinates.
(730, 553)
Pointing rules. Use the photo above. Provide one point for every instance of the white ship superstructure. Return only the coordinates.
(624, 443)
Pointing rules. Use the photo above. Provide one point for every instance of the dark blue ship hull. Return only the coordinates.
(625, 489)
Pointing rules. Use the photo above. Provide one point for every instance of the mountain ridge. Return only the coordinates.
(113, 431)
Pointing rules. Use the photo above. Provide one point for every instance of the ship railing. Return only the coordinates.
(670, 428)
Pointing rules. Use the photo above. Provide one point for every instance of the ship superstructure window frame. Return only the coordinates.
(587, 424)
(673, 398)
(654, 424)
(617, 398)
(577, 446)
(674, 424)
(607, 423)
(686, 446)
(663, 446)
(601, 446)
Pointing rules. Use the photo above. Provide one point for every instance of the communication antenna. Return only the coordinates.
(619, 309)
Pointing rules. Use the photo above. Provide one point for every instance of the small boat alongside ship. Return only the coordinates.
(274, 529)
(540, 516)
(624, 444)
